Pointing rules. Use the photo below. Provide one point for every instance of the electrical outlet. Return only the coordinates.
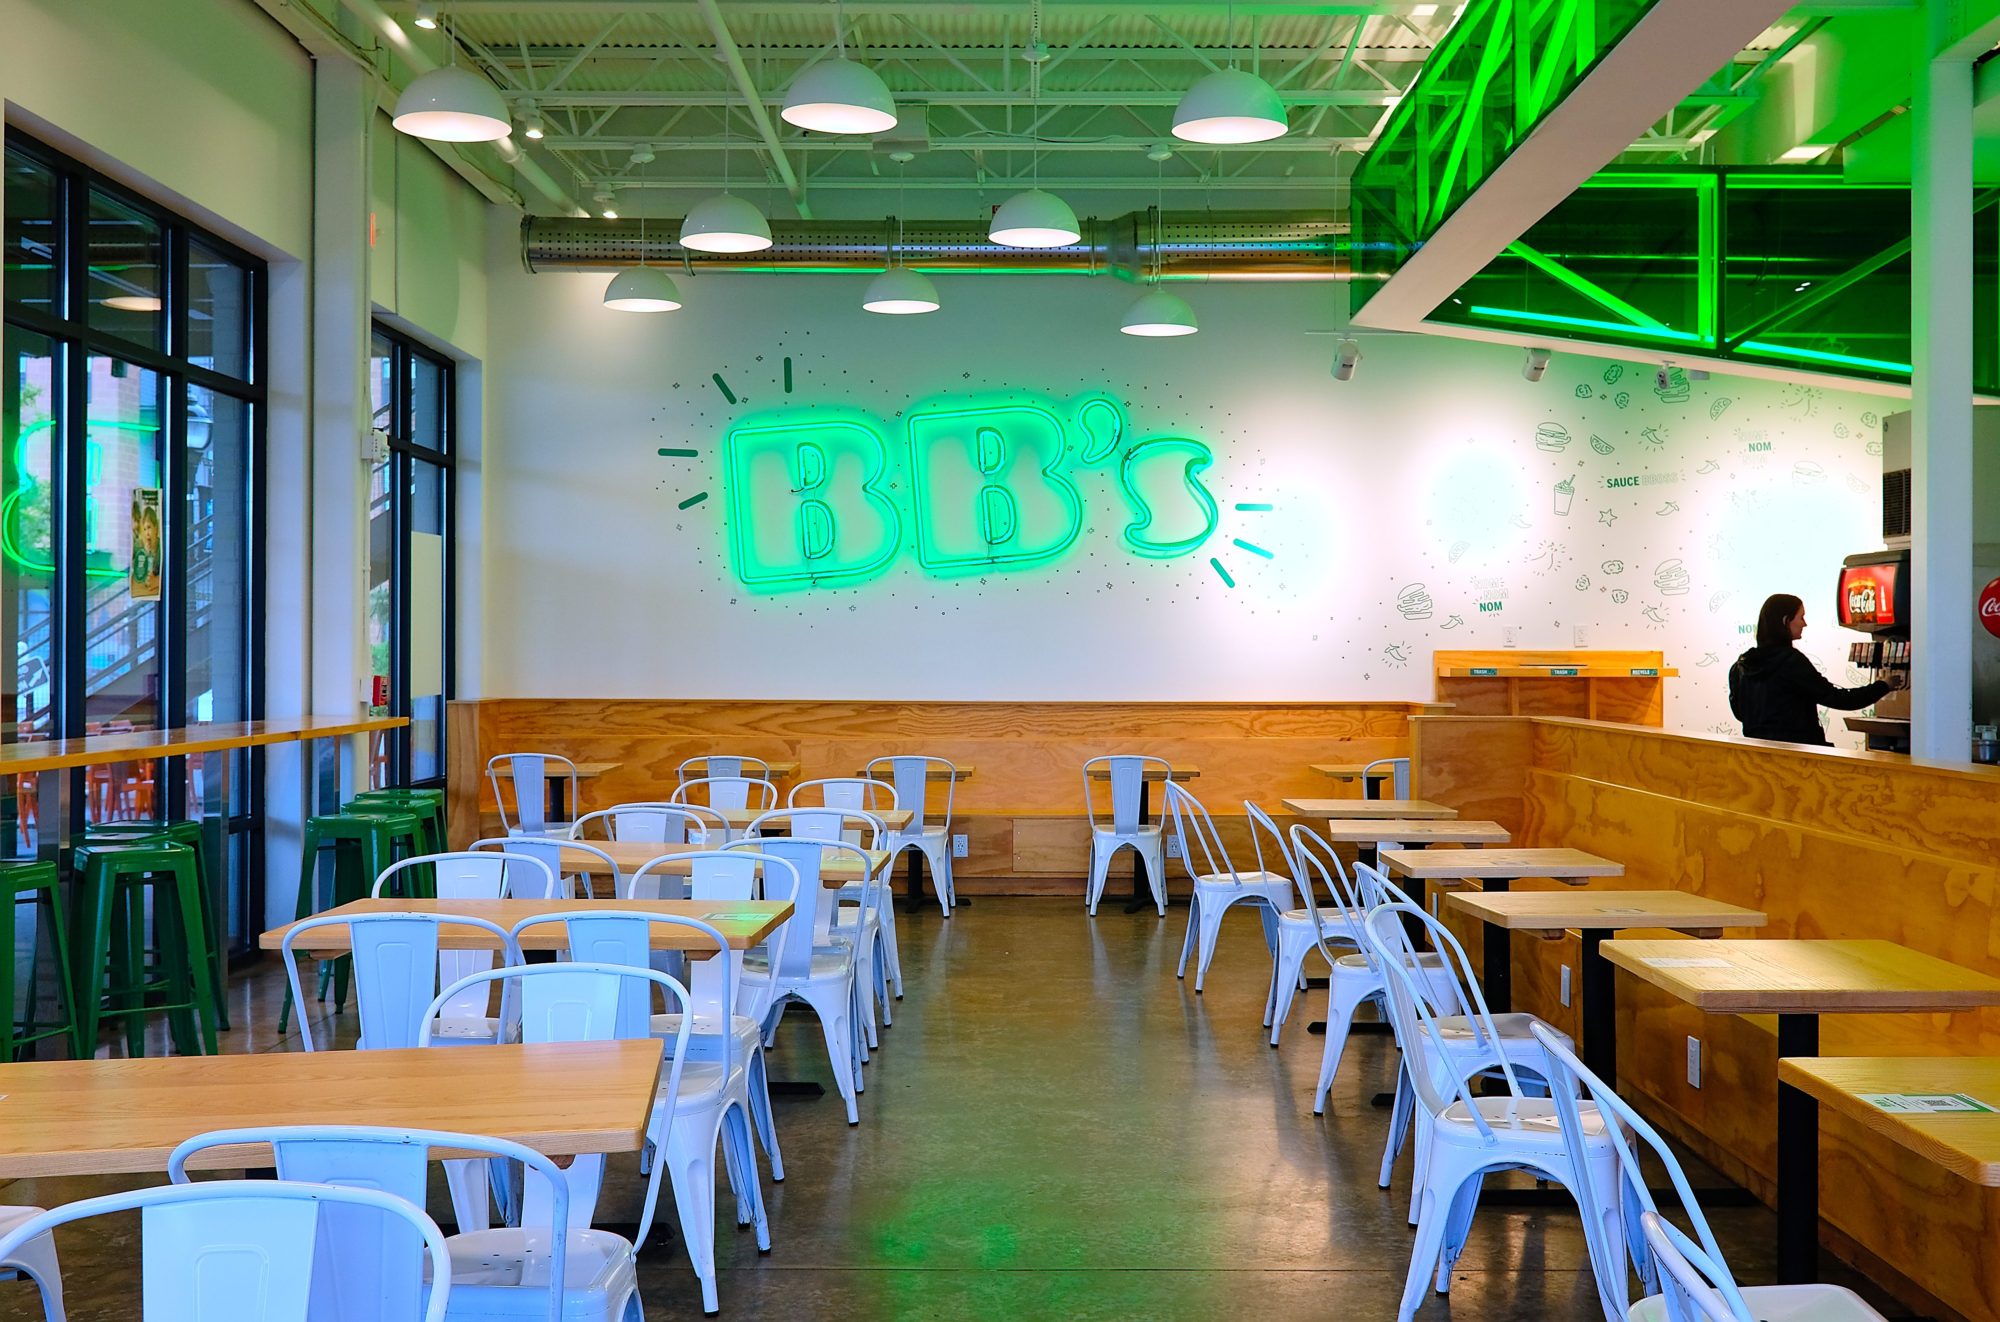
(1510, 636)
(1694, 1062)
(1565, 984)
(1173, 846)
(1434, 904)
(960, 846)
(1583, 635)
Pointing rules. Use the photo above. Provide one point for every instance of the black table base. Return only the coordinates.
(1798, 1159)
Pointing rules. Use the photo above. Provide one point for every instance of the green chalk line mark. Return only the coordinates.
(694, 500)
(1220, 572)
(788, 374)
(1254, 508)
(1253, 550)
(723, 386)
(671, 452)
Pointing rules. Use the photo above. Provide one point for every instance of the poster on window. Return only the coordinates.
(146, 541)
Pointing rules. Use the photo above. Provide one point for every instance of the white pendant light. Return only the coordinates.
(899, 291)
(452, 105)
(1159, 314)
(840, 96)
(642, 288)
(725, 223)
(1230, 107)
(1034, 219)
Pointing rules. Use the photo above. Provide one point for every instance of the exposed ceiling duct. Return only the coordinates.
(1192, 246)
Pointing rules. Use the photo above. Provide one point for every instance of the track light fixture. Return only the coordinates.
(1537, 363)
(1346, 357)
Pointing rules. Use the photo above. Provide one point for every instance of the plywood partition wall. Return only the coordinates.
(1022, 810)
(1829, 843)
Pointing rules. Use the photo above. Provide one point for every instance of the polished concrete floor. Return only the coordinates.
(1056, 1127)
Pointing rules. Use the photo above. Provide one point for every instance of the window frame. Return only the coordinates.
(75, 341)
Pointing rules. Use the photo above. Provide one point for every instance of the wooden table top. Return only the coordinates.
(935, 772)
(1546, 911)
(631, 855)
(1180, 771)
(1966, 1142)
(585, 770)
(1446, 864)
(120, 1117)
(1803, 976)
(1354, 770)
(1373, 809)
(780, 770)
(1413, 831)
(744, 924)
(147, 745)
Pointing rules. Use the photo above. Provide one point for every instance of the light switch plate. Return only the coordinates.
(960, 846)
(1510, 636)
(1583, 635)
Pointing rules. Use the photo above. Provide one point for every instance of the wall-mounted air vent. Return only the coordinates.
(1896, 503)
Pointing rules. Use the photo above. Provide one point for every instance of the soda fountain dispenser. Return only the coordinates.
(1873, 597)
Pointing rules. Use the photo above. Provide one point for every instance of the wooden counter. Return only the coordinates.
(1830, 843)
(147, 745)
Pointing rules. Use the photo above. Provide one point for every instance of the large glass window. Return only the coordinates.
(130, 548)
(409, 592)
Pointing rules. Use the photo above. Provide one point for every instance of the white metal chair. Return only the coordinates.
(655, 823)
(1124, 829)
(1355, 979)
(1221, 885)
(727, 765)
(528, 776)
(558, 853)
(728, 876)
(197, 1240)
(911, 775)
(525, 868)
(727, 792)
(1303, 930)
(711, 1105)
(861, 914)
(35, 1260)
(1458, 1036)
(860, 797)
(1610, 1250)
(810, 966)
(1399, 777)
(1696, 1287)
(1467, 1136)
(543, 1268)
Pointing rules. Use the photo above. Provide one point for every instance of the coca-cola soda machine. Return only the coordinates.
(1873, 597)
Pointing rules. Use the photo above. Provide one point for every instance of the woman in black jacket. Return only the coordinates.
(1776, 691)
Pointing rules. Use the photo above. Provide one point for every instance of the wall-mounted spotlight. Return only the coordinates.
(1536, 365)
(1663, 375)
(427, 15)
(1346, 357)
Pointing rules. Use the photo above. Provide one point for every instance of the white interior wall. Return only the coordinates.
(1417, 507)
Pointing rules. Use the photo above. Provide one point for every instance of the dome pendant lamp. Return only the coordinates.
(899, 291)
(1034, 219)
(450, 104)
(838, 95)
(1230, 107)
(1156, 314)
(725, 222)
(642, 288)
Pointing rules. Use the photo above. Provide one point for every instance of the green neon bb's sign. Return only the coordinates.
(821, 499)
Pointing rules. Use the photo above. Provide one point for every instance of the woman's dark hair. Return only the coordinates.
(1774, 621)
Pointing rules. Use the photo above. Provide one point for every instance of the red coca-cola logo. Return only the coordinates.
(1989, 607)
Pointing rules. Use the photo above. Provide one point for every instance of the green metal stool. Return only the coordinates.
(426, 804)
(194, 836)
(364, 841)
(30, 881)
(111, 920)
